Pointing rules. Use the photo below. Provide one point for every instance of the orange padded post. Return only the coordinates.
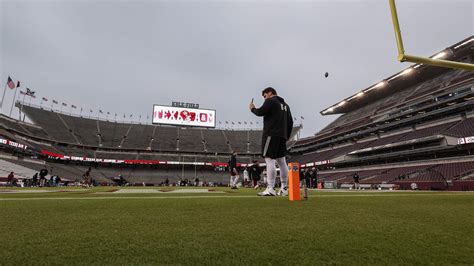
(294, 181)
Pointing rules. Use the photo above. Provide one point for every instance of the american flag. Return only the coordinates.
(44, 99)
(55, 102)
(10, 83)
(73, 106)
(64, 104)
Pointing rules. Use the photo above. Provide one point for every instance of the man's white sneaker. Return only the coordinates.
(283, 192)
(267, 192)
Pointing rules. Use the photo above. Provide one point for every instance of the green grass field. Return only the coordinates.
(236, 227)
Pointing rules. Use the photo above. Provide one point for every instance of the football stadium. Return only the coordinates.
(388, 180)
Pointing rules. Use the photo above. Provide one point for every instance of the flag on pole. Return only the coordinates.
(64, 104)
(100, 111)
(55, 102)
(44, 99)
(30, 93)
(10, 83)
(73, 106)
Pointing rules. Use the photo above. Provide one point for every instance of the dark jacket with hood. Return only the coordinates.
(277, 119)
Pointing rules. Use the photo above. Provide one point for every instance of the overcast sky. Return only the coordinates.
(124, 57)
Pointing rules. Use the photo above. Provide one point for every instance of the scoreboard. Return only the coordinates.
(178, 116)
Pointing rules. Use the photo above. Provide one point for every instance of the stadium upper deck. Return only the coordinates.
(418, 114)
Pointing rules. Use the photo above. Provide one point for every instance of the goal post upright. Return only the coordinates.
(402, 57)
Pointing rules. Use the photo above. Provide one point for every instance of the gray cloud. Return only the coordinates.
(123, 57)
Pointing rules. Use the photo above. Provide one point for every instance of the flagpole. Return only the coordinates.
(24, 115)
(21, 108)
(3, 97)
(13, 103)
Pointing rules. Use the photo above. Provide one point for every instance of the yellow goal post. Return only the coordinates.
(402, 57)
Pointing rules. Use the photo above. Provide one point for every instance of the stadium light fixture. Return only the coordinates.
(407, 71)
(402, 57)
(404, 72)
(464, 43)
(329, 110)
(439, 55)
(380, 84)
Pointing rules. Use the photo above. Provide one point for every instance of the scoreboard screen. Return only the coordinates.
(178, 116)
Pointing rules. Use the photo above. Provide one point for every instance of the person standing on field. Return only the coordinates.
(234, 174)
(277, 127)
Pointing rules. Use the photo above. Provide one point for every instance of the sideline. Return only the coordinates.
(235, 196)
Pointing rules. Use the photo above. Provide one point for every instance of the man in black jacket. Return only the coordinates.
(43, 173)
(234, 174)
(277, 126)
(255, 173)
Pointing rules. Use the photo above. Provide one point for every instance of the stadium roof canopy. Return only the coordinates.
(404, 79)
